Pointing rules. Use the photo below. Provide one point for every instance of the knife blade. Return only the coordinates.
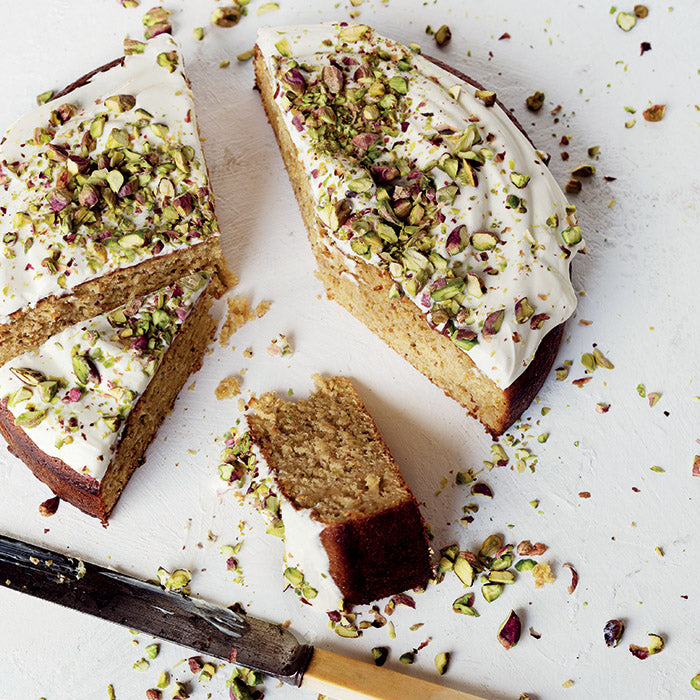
(207, 628)
(145, 606)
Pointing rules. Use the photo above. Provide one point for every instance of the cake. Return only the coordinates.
(432, 217)
(104, 193)
(328, 484)
(81, 408)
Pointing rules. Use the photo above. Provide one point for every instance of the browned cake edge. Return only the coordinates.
(51, 314)
(511, 402)
(182, 358)
(371, 556)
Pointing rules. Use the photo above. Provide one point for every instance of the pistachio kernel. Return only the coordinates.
(354, 32)
(573, 186)
(535, 101)
(583, 171)
(613, 631)
(28, 376)
(626, 20)
(572, 235)
(519, 180)
(120, 103)
(443, 35)
(464, 571)
(379, 654)
(695, 682)
(484, 240)
(509, 631)
(198, 33)
(30, 418)
(168, 59)
(464, 605)
(488, 97)
(227, 16)
(132, 46)
(525, 565)
(43, 97)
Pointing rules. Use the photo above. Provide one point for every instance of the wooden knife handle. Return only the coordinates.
(342, 678)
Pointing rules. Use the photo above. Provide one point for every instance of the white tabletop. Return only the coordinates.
(641, 279)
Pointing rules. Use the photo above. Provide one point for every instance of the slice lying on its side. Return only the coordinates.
(104, 193)
(81, 409)
(432, 217)
(352, 528)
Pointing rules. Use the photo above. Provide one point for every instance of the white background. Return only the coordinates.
(641, 278)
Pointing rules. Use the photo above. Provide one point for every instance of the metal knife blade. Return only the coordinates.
(145, 606)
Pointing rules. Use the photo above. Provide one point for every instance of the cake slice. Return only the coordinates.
(353, 531)
(432, 217)
(104, 193)
(81, 409)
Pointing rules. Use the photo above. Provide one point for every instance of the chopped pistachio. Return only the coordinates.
(464, 571)
(43, 97)
(408, 658)
(525, 565)
(163, 680)
(120, 103)
(626, 20)
(268, 7)
(152, 650)
(535, 101)
(612, 632)
(399, 84)
(226, 16)
(491, 591)
(246, 55)
(509, 632)
(379, 654)
(30, 418)
(443, 35)
(225, 63)
(588, 361)
(519, 180)
(141, 665)
(464, 605)
(198, 33)
(655, 113)
(488, 97)
(583, 171)
(601, 360)
(695, 682)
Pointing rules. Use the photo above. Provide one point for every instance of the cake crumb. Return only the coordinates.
(262, 308)
(238, 315)
(49, 507)
(192, 386)
(542, 573)
(228, 388)
(248, 352)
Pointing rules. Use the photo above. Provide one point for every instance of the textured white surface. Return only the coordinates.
(641, 278)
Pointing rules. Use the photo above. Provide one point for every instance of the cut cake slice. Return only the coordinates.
(432, 217)
(104, 193)
(353, 530)
(81, 409)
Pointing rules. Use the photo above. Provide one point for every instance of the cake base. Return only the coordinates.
(363, 290)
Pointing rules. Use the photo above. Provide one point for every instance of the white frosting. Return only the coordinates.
(303, 549)
(24, 280)
(124, 372)
(528, 260)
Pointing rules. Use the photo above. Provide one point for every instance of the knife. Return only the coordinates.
(209, 629)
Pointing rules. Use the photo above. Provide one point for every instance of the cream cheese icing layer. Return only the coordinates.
(306, 560)
(73, 394)
(94, 184)
(423, 175)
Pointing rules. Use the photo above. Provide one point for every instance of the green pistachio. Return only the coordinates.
(379, 654)
(178, 580)
(464, 571)
(354, 32)
(163, 680)
(198, 33)
(525, 565)
(132, 240)
(572, 235)
(141, 665)
(486, 96)
(120, 103)
(442, 662)
(484, 240)
(115, 180)
(348, 632)
(118, 138)
(588, 361)
(408, 658)
(294, 576)
(284, 48)
(464, 605)
(491, 591)
(398, 84)
(43, 97)
(519, 180)
(22, 394)
(28, 376)
(226, 16)
(48, 390)
(30, 418)
(626, 20)
(112, 422)
(695, 682)
(443, 35)
(168, 59)
(152, 650)
(501, 577)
